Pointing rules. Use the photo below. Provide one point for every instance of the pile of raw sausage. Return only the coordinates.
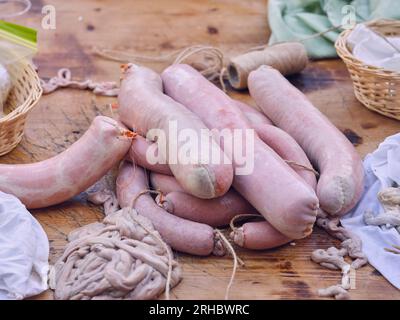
(302, 164)
(291, 139)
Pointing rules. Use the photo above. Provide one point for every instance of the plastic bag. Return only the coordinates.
(14, 8)
(16, 43)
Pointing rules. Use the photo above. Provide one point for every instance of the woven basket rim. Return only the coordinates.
(347, 55)
(30, 101)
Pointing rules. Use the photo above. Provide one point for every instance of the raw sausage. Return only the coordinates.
(267, 187)
(144, 106)
(62, 177)
(182, 235)
(341, 172)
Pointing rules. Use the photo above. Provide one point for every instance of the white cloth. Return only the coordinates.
(370, 48)
(24, 251)
(382, 170)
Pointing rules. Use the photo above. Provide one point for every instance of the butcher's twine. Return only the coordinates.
(218, 235)
(209, 65)
(241, 217)
(286, 57)
(295, 164)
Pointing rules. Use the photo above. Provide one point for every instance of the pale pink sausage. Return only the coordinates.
(71, 172)
(254, 116)
(138, 151)
(182, 235)
(273, 188)
(214, 212)
(261, 235)
(341, 172)
(143, 105)
(288, 149)
(280, 141)
(251, 235)
(258, 236)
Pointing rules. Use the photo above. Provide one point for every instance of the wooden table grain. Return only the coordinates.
(160, 27)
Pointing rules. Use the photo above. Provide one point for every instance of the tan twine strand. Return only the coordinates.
(148, 191)
(236, 259)
(287, 57)
(126, 57)
(121, 258)
(313, 36)
(242, 217)
(295, 164)
(219, 235)
(221, 77)
(141, 193)
(210, 68)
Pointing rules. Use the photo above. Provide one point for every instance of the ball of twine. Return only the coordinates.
(121, 258)
(288, 58)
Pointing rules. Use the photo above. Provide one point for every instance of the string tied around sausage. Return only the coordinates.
(295, 164)
(211, 66)
(221, 242)
(242, 217)
(236, 260)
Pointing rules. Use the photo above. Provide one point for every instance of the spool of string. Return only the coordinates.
(288, 58)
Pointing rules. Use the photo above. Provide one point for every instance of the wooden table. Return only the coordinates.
(158, 27)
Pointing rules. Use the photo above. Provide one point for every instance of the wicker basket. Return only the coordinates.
(23, 96)
(375, 88)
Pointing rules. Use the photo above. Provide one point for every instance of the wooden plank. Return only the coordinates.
(159, 27)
